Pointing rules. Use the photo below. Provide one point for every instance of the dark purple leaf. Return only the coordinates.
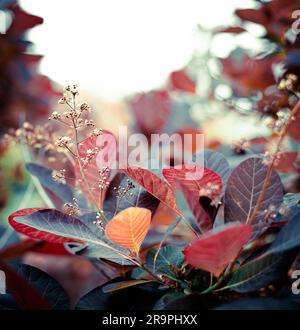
(244, 188)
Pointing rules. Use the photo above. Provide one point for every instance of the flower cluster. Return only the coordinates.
(288, 83)
(103, 174)
(89, 156)
(241, 146)
(283, 117)
(271, 157)
(59, 176)
(209, 190)
(122, 192)
(99, 221)
(39, 137)
(72, 208)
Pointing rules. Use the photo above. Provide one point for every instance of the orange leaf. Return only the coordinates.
(129, 228)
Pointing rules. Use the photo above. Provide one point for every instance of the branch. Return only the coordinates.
(282, 135)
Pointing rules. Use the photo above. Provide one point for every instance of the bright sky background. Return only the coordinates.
(112, 48)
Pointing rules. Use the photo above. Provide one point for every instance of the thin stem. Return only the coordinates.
(211, 288)
(77, 155)
(188, 225)
(151, 273)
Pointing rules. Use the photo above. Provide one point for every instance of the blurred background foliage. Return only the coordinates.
(226, 89)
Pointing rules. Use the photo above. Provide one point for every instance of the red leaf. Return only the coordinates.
(17, 250)
(31, 231)
(106, 143)
(154, 185)
(294, 130)
(215, 250)
(23, 21)
(25, 295)
(288, 162)
(252, 15)
(196, 179)
(181, 81)
(247, 73)
(151, 110)
(232, 29)
(51, 249)
(201, 182)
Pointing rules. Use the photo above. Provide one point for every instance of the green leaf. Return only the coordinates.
(291, 199)
(289, 236)
(139, 273)
(168, 259)
(261, 272)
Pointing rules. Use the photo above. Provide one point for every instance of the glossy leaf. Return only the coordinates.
(216, 249)
(154, 185)
(57, 227)
(168, 259)
(244, 188)
(50, 225)
(194, 178)
(129, 228)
